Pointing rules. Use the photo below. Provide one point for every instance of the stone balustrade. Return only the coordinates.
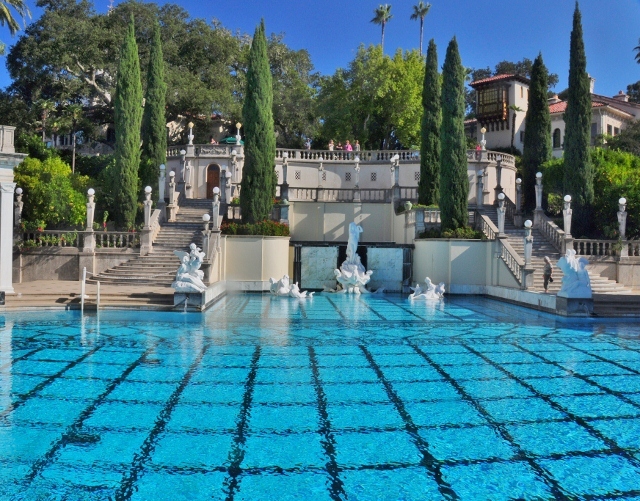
(117, 239)
(590, 247)
(551, 232)
(51, 238)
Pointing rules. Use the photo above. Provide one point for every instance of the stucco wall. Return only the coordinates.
(249, 261)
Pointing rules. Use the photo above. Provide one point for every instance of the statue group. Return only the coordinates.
(575, 278)
(189, 276)
(352, 277)
(430, 291)
(283, 287)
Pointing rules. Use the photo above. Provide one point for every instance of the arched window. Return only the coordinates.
(557, 143)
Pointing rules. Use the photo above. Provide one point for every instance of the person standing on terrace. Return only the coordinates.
(347, 146)
(331, 145)
(356, 146)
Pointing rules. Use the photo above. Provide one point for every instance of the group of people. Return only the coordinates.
(347, 146)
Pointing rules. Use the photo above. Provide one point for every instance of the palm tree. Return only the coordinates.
(637, 49)
(515, 110)
(46, 107)
(7, 18)
(383, 14)
(419, 12)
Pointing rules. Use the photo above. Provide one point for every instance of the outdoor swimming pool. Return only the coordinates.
(358, 398)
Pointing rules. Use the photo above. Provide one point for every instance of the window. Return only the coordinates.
(521, 91)
(416, 176)
(347, 176)
(298, 175)
(522, 136)
(616, 131)
(324, 176)
(374, 176)
(492, 103)
(557, 139)
(610, 130)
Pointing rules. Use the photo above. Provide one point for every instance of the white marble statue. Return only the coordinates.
(575, 279)
(430, 292)
(189, 276)
(352, 277)
(282, 287)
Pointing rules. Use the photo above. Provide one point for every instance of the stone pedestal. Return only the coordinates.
(145, 241)
(538, 217)
(6, 236)
(89, 241)
(574, 307)
(86, 260)
(527, 277)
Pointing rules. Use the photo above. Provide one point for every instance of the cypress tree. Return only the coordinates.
(454, 183)
(537, 123)
(429, 185)
(578, 171)
(128, 117)
(259, 176)
(154, 124)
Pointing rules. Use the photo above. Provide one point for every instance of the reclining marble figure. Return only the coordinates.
(431, 291)
(282, 287)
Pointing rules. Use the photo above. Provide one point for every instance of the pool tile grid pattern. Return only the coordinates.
(383, 406)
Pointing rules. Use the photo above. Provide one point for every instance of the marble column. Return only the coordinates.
(6, 236)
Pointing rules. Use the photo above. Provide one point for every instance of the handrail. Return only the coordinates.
(552, 232)
(154, 224)
(486, 226)
(513, 261)
(511, 208)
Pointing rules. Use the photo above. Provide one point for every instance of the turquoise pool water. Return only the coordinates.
(337, 398)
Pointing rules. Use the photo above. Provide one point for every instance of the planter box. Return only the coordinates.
(249, 261)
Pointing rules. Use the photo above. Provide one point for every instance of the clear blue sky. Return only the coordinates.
(488, 31)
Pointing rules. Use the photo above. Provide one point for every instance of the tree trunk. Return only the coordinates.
(73, 152)
(421, 33)
(382, 41)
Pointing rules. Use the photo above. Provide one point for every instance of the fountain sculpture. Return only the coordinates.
(189, 277)
(283, 288)
(351, 276)
(430, 292)
(575, 279)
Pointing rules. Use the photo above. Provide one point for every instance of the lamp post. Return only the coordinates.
(216, 207)
(517, 217)
(479, 189)
(498, 175)
(205, 219)
(501, 215)
(238, 137)
(89, 236)
(183, 161)
(622, 226)
(566, 217)
(395, 175)
(284, 189)
(227, 186)
(527, 273)
(173, 206)
(356, 194)
(190, 136)
(148, 203)
(483, 141)
(17, 211)
(146, 244)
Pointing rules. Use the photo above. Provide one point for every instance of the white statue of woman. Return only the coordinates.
(352, 245)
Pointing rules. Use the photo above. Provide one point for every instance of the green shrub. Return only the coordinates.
(263, 228)
(466, 233)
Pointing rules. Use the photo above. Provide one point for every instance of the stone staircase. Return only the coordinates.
(158, 268)
(541, 248)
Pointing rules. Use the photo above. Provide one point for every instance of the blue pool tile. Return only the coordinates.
(289, 487)
(25, 443)
(300, 450)
(10, 475)
(535, 370)
(220, 375)
(407, 484)
(562, 386)
(593, 475)
(452, 412)
(74, 476)
(77, 388)
(160, 373)
(48, 410)
(456, 358)
(349, 393)
(38, 367)
(203, 417)
(284, 393)
(218, 393)
(431, 390)
(568, 356)
(478, 442)
(281, 418)
(376, 448)
(271, 375)
(201, 450)
(355, 360)
(98, 371)
(117, 357)
(111, 448)
(135, 391)
(622, 384)
(24, 384)
(520, 409)
(625, 432)
(283, 361)
(599, 369)
(364, 415)
(126, 415)
(513, 357)
(495, 388)
(347, 375)
(496, 482)
(476, 371)
(411, 374)
(55, 354)
(543, 439)
(594, 406)
(179, 486)
(400, 359)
